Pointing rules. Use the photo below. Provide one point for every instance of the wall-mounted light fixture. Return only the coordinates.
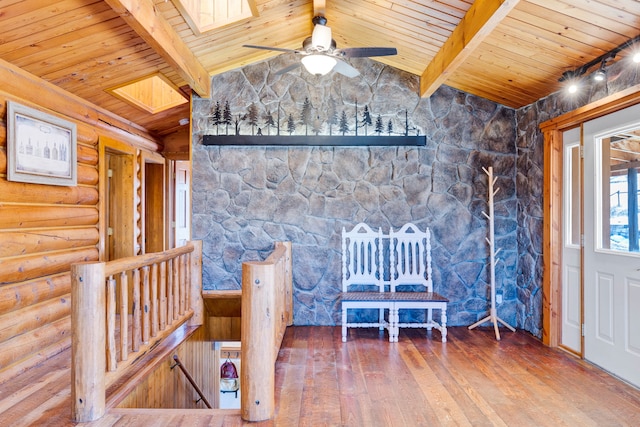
(574, 78)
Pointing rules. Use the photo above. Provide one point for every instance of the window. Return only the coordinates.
(620, 162)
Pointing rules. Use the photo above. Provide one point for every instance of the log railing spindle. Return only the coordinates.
(154, 300)
(112, 362)
(124, 316)
(163, 295)
(137, 327)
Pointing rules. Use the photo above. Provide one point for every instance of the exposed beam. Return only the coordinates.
(141, 15)
(479, 21)
(319, 7)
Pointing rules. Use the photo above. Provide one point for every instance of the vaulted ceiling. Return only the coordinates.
(509, 51)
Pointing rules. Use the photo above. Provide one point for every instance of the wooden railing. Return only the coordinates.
(123, 308)
(267, 310)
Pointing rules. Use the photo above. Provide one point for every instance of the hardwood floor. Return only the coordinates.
(472, 380)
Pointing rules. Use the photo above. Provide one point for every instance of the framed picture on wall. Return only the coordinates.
(41, 148)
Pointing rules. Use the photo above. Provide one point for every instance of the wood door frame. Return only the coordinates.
(159, 191)
(552, 201)
(105, 145)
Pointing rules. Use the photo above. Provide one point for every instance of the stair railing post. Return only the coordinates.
(88, 337)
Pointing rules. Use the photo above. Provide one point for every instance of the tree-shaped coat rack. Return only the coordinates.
(493, 316)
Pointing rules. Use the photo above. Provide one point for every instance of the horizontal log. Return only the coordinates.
(15, 243)
(87, 155)
(22, 346)
(86, 133)
(46, 216)
(20, 192)
(23, 294)
(34, 317)
(39, 265)
(87, 175)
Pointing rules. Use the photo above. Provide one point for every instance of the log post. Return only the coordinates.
(257, 374)
(88, 305)
(195, 285)
(288, 283)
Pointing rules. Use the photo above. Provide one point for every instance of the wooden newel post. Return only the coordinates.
(195, 287)
(257, 372)
(88, 337)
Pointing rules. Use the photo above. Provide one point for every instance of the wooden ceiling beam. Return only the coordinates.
(152, 28)
(479, 21)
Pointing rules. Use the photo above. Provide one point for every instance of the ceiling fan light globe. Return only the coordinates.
(318, 65)
(321, 37)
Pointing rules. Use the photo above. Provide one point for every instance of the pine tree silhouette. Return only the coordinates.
(305, 116)
(291, 125)
(227, 119)
(252, 116)
(379, 125)
(317, 126)
(366, 119)
(216, 117)
(344, 125)
(269, 122)
(390, 127)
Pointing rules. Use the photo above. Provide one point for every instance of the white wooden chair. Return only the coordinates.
(363, 276)
(410, 270)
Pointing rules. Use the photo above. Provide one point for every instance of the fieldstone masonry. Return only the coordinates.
(244, 198)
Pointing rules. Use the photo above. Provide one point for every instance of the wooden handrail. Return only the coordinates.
(136, 262)
(267, 304)
(145, 298)
(190, 379)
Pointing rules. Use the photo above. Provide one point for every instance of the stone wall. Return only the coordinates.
(244, 198)
(530, 149)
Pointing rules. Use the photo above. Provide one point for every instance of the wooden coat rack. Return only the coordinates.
(493, 316)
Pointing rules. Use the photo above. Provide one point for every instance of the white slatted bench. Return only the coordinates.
(409, 285)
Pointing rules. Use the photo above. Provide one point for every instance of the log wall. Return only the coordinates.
(44, 229)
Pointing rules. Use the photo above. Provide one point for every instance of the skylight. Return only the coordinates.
(153, 94)
(206, 15)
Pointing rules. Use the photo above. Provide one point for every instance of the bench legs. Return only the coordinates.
(394, 318)
(429, 323)
(443, 325)
(393, 325)
(344, 324)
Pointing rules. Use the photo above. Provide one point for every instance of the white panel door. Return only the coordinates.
(182, 203)
(611, 259)
(571, 336)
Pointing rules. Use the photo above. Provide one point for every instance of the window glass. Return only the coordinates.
(619, 163)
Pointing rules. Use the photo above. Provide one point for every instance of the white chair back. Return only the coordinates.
(410, 257)
(362, 258)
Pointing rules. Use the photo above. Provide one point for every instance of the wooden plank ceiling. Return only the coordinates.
(509, 51)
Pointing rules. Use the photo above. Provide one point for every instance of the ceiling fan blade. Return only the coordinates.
(277, 49)
(345, 69)
(287, 69)
(363, 52)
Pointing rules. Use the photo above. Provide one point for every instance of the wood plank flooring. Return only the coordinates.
(472, 380)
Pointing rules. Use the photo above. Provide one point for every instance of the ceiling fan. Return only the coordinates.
(320, 54)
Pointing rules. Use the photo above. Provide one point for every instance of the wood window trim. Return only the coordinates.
(552, 201)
